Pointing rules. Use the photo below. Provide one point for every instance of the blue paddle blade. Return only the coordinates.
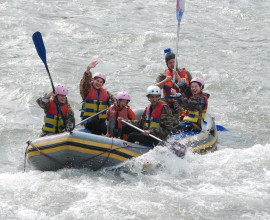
(221, 128)
(38, 41)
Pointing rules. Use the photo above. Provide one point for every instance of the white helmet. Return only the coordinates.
(153, 90)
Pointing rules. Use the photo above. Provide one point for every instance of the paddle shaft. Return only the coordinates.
(50, 78)
(133, 126)
(180, 8)
(85, 120)
(176, 53)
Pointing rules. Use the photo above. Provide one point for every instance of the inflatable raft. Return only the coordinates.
(80, 149)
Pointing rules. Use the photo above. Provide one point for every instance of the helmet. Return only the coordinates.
(123, 95)
(199, 80)
(153, 90)
(100, 75)
(61, 89)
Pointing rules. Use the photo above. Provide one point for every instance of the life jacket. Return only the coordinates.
(113, 123)
(197, 117)
(183, 74)
(153, 117)
(54, 118)
(169, 85)
(96, 101)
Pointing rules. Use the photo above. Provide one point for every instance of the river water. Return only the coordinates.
(225, 42)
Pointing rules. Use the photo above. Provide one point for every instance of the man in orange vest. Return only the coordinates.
(155, 120)
(164, 81)
(170, 61)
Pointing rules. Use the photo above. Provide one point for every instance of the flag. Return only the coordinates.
(180, 8)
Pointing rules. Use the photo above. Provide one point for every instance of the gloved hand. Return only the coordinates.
(69, 127)
(176, 129)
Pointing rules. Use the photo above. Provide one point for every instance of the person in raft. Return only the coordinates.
(156, 120)
(119, 111)
(196, 106)
(170, 62)
(59, 116)
(164, 81)
(95, 99)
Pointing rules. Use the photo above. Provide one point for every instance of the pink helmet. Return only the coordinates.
(61, 89)
(199, 80)
(100, 75)
(123, 95)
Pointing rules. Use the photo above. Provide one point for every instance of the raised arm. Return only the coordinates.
(86, 80)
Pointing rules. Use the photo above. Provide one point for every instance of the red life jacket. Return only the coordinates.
(96, 101)
(113, 123)
(153, 118)
(54, 118)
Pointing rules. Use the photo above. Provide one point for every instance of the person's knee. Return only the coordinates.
(89, 123)
(124, 137)
(131, 138)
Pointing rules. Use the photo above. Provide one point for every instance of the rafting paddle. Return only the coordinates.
(85, 120)
(176, 147)
(38, 41)
(221, 128)
(180, 8)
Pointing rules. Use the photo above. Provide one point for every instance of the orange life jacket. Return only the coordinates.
(183, 74)
(169, 85)
(54, 118)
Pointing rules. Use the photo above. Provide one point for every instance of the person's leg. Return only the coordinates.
(102, 126)
(93, 125)
(126, 130)
(182, 127)
(142, 139)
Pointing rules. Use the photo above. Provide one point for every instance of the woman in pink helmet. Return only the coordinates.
(119, 110)
(195, 105)
(95, 99)
(59, 116)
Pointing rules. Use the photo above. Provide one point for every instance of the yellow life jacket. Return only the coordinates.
(153, 118)
(197, 117)
(96, 101)
(54, 118)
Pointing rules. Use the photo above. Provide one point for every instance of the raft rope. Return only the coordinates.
(24, 164)
(44, 154)
(111, 151)
(70, 166)
(106, 158)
